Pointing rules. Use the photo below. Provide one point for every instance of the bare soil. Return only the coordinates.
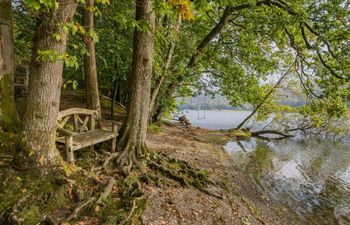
(242, 203)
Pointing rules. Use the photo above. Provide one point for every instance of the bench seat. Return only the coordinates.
(82, 140)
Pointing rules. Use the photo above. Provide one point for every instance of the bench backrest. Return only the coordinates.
(77, 119)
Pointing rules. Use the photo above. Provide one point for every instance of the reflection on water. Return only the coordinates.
(310, 177)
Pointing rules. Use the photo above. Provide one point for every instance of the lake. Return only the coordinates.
(210, 119)
(309, 177)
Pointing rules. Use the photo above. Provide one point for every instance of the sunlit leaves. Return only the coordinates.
(46, 5)
(74, 27)
(49, 55)
(92, 34)
(52, 56)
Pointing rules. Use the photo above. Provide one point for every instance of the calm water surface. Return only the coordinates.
(210, 119)
(309, 177)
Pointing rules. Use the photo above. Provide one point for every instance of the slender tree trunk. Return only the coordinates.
(115, 91)
(8, 113)
(45, 83)
(256, 109)
(92, 93)
(134, 130)
(165, 69)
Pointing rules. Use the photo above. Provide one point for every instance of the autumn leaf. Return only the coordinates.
(41, 160)
(183, 8)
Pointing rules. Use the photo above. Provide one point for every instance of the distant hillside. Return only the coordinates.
(218, 102)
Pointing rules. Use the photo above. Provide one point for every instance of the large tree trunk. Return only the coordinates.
(8, 114)
(92, 94)
(45, 83)
(134, 130)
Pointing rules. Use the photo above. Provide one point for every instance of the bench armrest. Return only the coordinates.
(65, 132)
(114, 125)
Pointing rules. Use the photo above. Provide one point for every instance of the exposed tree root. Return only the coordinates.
(50, 220)
(106, 161)
(130, 156)
(135, 205)
(168, 173)
(186, 175)
(81, 206)
(107, 190)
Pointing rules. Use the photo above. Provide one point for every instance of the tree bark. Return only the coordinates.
(8, 113)
(44, 90)
(134, 130)
(226, 16)
(92, 93)
(116, 89)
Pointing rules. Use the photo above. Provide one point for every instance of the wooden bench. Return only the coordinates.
(78, 127)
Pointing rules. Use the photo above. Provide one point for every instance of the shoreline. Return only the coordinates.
(202, 148)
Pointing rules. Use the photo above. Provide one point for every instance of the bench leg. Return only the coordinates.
(114, 140)
(114, 145)
(69, 151)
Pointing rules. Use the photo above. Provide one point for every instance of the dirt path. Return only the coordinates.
(242, 203)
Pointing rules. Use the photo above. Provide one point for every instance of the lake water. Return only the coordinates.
(309, 177)
(210, 119)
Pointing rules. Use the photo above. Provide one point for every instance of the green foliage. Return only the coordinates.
(45, 5)
(242, 62)
(240, 134)
(155, 128)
